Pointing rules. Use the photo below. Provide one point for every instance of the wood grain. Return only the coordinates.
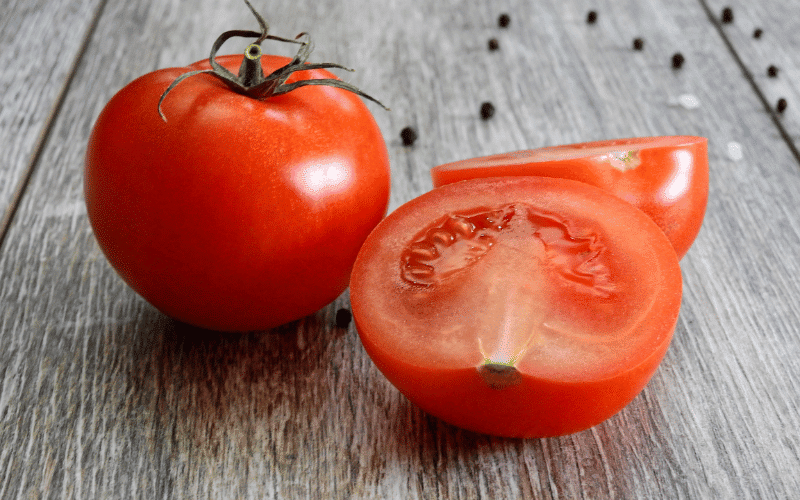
(40, 44)
(103, 397)
(777, 45)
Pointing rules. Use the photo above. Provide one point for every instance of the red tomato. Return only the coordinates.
(666, 177)
(517, 306)
(237, 213)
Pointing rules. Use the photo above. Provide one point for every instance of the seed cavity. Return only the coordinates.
(459, 240)
(453, 243)
(576, 258)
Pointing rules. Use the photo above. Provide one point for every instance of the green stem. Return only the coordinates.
(251, 80)
(250, 72)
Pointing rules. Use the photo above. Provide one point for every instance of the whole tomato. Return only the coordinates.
(238, 212)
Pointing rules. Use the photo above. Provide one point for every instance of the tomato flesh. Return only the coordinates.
(666, 177)
(519, 306)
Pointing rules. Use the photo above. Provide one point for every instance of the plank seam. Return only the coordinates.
(47, 129)
(787, 138)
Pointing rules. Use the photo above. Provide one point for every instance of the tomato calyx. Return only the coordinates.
(251, 80)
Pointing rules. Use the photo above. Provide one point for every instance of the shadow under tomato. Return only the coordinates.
(603, 456)
(231, 393)
(427, 435)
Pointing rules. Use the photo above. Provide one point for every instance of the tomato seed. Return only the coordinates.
(772, 71)
(678, 60)
(727, 15)
(494, 44)
(591, 17)
(638, 44)
(409, 136)
(487, 110)
(504, 20)
(781, 106)
(757, 33)
(343, 317)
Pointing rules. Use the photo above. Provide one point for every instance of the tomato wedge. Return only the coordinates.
(517, 306)
(666, 177)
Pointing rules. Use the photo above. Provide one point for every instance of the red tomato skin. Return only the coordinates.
(539, 406)
(535, 408)
(670, 185)
(236, 214)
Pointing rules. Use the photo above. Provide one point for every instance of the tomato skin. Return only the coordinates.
(535, 408)
(407, 328)
(236, 214)
(670, 184)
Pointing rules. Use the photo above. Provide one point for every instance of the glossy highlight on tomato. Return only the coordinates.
(666, 177)
(517, 306)
(236, 213)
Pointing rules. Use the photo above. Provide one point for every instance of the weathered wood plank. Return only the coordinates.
(40, 42)
(100, 396)
(776, 45)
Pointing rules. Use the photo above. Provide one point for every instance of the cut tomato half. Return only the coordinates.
(666, 177)
(517, 306)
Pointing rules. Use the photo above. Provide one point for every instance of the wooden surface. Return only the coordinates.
(103, 397)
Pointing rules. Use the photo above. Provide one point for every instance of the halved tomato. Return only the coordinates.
(666, 177)
(517, 306)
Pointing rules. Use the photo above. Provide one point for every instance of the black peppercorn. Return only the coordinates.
(781, 106)
(343, 317)
(757, 33)
(494, 44)
(408, 135)
(638, 44)
(772, 71)
(504, 20)
(727, 15)
(487, 110)
(678, 60)
(591, 17)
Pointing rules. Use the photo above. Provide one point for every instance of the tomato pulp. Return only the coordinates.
(237, 213)
(517, 306)
(666, 177)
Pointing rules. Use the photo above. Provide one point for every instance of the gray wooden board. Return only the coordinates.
(40, 42)
(778, 45)
(103, 397)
